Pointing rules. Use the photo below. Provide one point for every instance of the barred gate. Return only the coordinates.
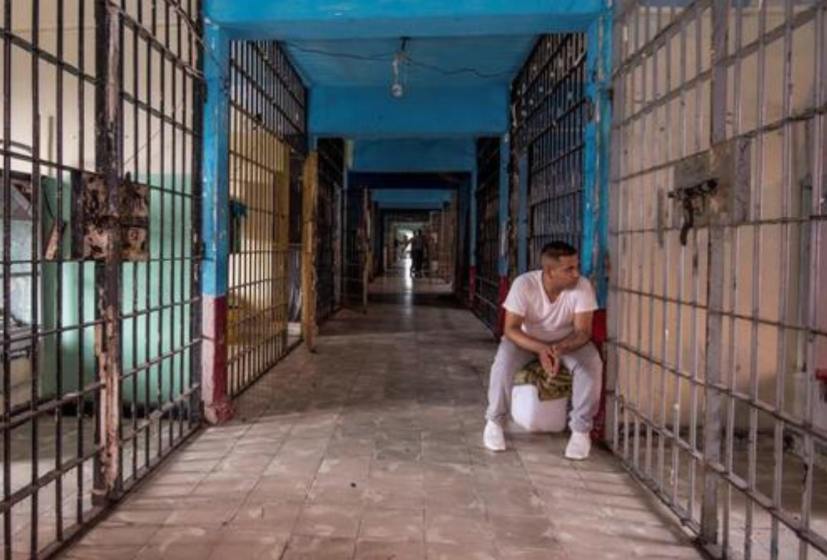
(718, 315)
(448, 241)
(328, 245)
(356, 247)
(101, 144)
(462, 274)
(549, 118)
(487, 276)
(267, 145)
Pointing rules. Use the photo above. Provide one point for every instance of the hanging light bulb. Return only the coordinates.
(397, 90)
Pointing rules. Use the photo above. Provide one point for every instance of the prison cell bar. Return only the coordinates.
(486, 275)
(267, 99)
(331, 179)
(781, 419)
(549, 97)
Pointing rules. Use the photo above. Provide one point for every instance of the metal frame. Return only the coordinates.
(356, 247)
(549, 120)
(268, 143)
(462, 267)
(328, 250)
(487, 276)
(114, 386)
(715, 346)
(448, 241)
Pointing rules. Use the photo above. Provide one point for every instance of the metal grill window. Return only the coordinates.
(719, 331)
(267, 142)
(549, 110)
(488, 235)
(89, 104)
(328, 245)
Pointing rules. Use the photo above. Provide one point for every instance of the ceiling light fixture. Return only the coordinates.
(397, 89)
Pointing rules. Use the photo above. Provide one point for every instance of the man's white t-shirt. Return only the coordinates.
(542, 319)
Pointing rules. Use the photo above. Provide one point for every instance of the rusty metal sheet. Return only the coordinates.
(93, 224)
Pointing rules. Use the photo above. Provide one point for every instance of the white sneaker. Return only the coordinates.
(579, 446)
(493, 436)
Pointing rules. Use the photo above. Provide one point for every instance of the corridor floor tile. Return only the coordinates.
(371, 449)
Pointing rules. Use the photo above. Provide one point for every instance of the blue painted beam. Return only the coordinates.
(595, 248)
(423, 206)
(408, 181)
(604, 112)
(362, 19)
(432, 112)
(215, 201)
(214, 228)
(411, 196)
(421, 155)
(588, 247)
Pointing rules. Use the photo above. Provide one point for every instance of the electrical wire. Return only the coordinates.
(383, 57)
(388, 57)
(457, 71)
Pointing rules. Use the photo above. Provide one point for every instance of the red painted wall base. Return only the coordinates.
(599, 335)
(217, 406)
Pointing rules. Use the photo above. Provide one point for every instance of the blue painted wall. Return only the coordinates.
(425, 155)
(411, 199)
(421, 112)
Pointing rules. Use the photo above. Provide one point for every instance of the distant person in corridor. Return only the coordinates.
(548, 314)
(418, 246)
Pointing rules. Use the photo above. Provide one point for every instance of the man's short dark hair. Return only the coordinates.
(557, 249)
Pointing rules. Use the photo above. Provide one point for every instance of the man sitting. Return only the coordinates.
(548, 313)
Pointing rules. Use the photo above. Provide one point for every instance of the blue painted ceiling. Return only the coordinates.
(428, 62)
(390, 19)
(458, 63)
(453, 44)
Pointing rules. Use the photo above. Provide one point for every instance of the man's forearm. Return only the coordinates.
(572, 342)
(524, 341)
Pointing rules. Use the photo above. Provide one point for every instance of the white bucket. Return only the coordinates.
(534, 415)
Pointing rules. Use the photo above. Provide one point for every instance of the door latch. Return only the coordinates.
(691, 200)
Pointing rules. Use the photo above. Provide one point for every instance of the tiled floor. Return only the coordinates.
(371, 450)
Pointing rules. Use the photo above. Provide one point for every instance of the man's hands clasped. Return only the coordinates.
(550, 360)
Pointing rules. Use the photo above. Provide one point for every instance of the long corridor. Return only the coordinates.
(371, 449)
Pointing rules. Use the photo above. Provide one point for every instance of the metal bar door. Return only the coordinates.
(356, 242)
(716, 305)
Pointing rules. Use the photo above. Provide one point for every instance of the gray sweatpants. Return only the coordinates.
(584, 364)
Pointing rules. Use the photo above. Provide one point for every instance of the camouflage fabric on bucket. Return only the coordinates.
(548, 388)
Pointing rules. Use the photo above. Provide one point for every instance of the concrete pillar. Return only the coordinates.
(215, 226)
(598, 134)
